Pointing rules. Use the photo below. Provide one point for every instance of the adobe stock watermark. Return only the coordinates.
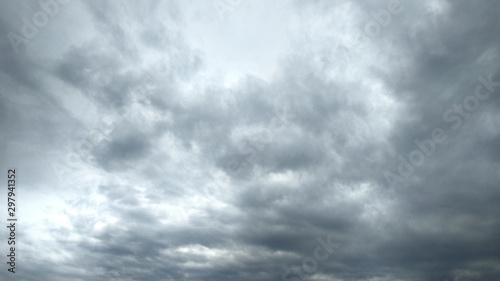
(99, 135)
(456, 115)
(310, 264)
(70, 166)
(249, 148)
(30, 28)
(150, 79)
(224, 6)
(373, 28)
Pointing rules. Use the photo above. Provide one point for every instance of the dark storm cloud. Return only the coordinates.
(124, 148)
(206, 181)
(440, 204)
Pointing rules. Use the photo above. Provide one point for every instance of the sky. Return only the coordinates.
(251, 140)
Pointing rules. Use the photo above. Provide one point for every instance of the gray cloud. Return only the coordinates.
(155, 141)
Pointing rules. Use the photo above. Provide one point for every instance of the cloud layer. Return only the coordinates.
(246, 140)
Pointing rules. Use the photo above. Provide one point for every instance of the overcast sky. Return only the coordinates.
(252, 140)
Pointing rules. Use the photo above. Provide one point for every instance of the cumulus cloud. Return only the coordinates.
(246, 140)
